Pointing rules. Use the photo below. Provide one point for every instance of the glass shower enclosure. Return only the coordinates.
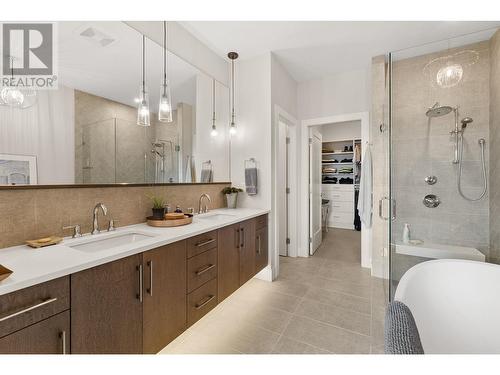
(444, 128)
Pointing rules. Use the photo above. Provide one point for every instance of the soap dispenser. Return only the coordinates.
(406, 233)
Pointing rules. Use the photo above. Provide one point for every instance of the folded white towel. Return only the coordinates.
(251, 180)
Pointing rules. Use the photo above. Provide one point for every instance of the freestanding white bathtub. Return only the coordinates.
(456, 305)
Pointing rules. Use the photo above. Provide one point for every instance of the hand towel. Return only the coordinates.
(251, 180)
(206, 175)
(365, 201)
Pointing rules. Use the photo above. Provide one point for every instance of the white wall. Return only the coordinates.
(347, 92)
(253, 121)
(341, 131)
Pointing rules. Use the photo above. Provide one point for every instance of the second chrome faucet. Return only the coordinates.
(95, 217)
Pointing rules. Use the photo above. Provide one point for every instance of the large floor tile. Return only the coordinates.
(286, 345)
(327, 337)
(343, 300)
(337, 316)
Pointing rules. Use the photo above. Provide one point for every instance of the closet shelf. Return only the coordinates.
(338, 153)
(337, 163)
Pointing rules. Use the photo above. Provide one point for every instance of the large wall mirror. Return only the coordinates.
(86, 132)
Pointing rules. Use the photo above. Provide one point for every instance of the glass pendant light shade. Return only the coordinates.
(165, 105)
(12, 96)
(143, 115)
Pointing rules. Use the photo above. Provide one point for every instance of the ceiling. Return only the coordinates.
(113, 71)
(313, 49)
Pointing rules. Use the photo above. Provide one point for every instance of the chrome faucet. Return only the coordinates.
(95, 223)
(205, 209)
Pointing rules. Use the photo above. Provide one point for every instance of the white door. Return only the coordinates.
(315, 233)
(281, 186)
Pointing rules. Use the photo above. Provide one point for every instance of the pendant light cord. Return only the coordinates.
(143, 66)
(164, 54)
(213, 103)
(232, 92)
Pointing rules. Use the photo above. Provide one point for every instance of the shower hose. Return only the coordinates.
(482, 144)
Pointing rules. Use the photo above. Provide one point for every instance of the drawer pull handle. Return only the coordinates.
(27, 309)
(140, 295)
(203, 243)
(150, 289)
(62, 336)
(207, 268)
(259, 248)
(207, 301)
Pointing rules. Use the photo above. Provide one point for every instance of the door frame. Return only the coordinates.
(280, 115)
(314, 133)
(366, 233)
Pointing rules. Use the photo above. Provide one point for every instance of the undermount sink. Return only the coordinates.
(98, 244)
(214, 216)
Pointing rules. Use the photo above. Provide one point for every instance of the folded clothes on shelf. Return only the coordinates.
(329, 180)
(346, 180)
(329, 170)
(346, 160)
(346, 170)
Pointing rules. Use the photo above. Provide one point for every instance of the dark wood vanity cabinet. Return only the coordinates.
(137, 304)
(35, 320)
(164, 310)
(242, 253)
(106, 308)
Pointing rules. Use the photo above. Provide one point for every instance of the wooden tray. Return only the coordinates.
(53, 240)
(188, 219)
(4, 272)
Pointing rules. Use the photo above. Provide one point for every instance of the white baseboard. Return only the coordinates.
(266, 274)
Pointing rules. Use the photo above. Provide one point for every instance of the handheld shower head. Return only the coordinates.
(465, 121)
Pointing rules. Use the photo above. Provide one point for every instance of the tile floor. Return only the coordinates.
(319, 305)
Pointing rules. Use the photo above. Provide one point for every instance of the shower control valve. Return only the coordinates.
(431, 180)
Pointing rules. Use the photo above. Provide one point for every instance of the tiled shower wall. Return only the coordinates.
(422, 148)
(495, 151)
(35, 213)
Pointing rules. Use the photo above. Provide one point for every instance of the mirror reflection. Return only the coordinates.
(86, 131)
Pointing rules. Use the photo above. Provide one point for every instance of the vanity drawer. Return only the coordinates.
(342, 217)
(336, 207)
(203, 242)
(261, 222)
(201, 301)
(339, 196)
(201, 268)
(27, 306)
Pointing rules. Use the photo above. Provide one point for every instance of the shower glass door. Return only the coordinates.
(444, 110)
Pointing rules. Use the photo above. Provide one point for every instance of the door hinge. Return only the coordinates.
(288, 241)
(288, 190)
(177, 148)
(310, 240)
(310, 141)
(287, 140)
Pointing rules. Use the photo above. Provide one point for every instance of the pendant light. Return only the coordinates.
(143, 107)
(213, 133)
(233, 56)
(11, 95)
(165, 105)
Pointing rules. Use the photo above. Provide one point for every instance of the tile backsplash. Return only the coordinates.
(34, 213)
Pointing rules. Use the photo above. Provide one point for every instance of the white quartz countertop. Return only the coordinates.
(33, 266)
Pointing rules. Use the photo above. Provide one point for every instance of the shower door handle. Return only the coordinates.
(392, 203)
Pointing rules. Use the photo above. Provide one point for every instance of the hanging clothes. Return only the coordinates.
(357, 219)
(365, 201)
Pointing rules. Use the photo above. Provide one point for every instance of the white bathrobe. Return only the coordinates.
(365, 201)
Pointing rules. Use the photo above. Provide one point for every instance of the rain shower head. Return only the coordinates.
(437, 111)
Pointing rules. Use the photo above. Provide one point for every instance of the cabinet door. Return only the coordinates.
(164, 295)
(261, 249)
(247, 250)
(228, 272)
(106, 308)
(50, 336)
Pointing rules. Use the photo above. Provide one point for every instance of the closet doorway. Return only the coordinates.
(343, 139)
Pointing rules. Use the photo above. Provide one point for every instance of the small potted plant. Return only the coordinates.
(231, 194)
(158, 207)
